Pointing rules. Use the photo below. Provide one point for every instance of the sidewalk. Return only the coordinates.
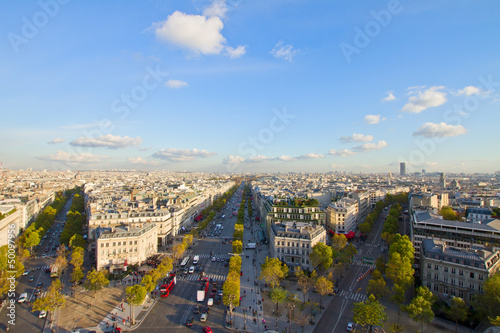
(256, 310)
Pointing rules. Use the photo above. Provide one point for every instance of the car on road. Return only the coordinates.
(207, 329)
(39, 285)
(210, 302)
(196, 309)
(31, 278)
(42, 314)
(204, 317)
(350, 327)
(220, 293)
(191, 270)
(218, 300)
(22, 298)
(189, 321)
(206, 310)
(26, 272)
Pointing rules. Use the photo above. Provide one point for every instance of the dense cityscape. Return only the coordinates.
(128, 250)
(263, 166)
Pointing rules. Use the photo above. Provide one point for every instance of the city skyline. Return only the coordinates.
(239, 86)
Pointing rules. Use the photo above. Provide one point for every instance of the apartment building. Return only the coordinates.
(461, 235)
(120, 246)
(476, 215)
(448, 271)
(292, 242)
(342, 216)
(432, 200)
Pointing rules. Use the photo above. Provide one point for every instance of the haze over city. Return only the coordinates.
(229, 86)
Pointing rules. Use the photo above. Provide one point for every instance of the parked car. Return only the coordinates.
(42, 314)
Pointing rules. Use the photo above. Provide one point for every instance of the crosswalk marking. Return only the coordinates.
(359, 262)
(357, 297)
(196, 277)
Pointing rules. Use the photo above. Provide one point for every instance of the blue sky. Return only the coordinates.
(261, 85)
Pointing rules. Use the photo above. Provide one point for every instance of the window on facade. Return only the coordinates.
(452, 292)
(436, 276)
(472, 286)
(480, 287)
(480, 276)
(460, 272)
(445, 290)
(429, 285)
(436, 267)
(445, 279)
(135, 242)
(453, 281)
(471, 275)
(107, 244)
(460, 283)
(429, 275)
(453, 271)
(436, 287)
(429, 265)
(114, 243)
(461, 294)
(446, 269)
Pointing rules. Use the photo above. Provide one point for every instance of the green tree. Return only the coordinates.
(6, 265)
(231, 292)
(272, 271)
(278, 295)
(339, 242)
(304, 281)
(490, 300)
(77, 274)
(365, 228)
(323, 286)
(52, 300)
(377, 285)
(135, 296)
(420, 308)
(77, 255)
(448, 213)
(237, 246)
(321, 256)
(61, 261)
(77, 241)
(30, 238)
(457, 311)
(291, 301)
(235, 264)
(96, 280)
(369, 312)
(148, 283)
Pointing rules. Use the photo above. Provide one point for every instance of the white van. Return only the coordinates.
(195, 260)
(22, 298)
(204, 317)
(191, 270)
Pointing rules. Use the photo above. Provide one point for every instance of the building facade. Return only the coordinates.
(449, 271)
(342, 216)
(118, 247)
(292, 242)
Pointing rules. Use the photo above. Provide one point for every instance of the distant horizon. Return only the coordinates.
(242, 86)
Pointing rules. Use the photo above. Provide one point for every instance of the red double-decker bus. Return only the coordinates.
(166, 288)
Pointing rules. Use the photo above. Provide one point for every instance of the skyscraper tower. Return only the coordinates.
(389, 178)
(442, 180)
(402, 168)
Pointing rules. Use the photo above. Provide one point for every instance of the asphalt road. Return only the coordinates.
(172, 312)
(27, 321)
(340, 310)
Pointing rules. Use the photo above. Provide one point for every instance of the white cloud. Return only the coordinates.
(182, 155)
(310, 156)
(373, 119)
(438, 130)
(258, 158)
(470, 90)
(218, 8)
(282, 51)
(342, 153)
(371, 146)
(425, 99)
(286, 158)
(390, 97)
(198, 33)
(356, 138)
(236, 52)
(64, 156)
(56, 140)
(140, 160)
(175, 84)
(233, 160)
(108, 140)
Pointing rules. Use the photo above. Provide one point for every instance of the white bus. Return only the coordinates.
(185, 262)
(196, 259)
